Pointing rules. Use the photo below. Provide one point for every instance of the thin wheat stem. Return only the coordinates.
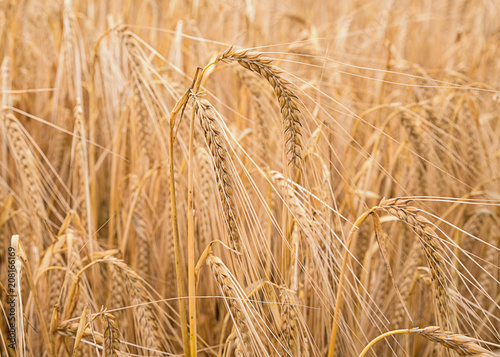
(175, 228)
(340, 287)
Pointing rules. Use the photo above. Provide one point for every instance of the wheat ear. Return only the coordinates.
(234, 302)
(215, 141)
(433, 252)
(151, 334)
(111, 341)
(463, 345)
(282, 88)
(290, 327)
(142, 227)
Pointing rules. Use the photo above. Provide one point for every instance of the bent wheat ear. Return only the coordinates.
(149, 331)
(446, 308)
(286, 97)
(463, 345)
(69, 329)
(233, 300)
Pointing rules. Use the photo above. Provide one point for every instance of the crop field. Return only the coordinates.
(250, 178)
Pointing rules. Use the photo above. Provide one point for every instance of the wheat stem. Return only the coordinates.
(191, 246)
(381, 337)
(175, 227)
(340, 287)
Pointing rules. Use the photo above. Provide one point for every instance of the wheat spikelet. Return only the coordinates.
(306, 49)
(296, 206)
(473, 227)
(81, 172)
(296, 238)
(117, 290)
(408, 277)
(205, 193)
(260, 114)
(221, 161)
(413, 125)
(25, 158)
(56, 276)
(409, 269)
(381, 279)
(6, 84)
(319, 248)
(286, 97)
(142, 226)
(134, 51)
(143, 120)
(474, 153)
(438, 126)
(361, 249)
(143, 320)
(75, 302)
(487, 276)
(161, 203)
(111, 341)
(5, 102)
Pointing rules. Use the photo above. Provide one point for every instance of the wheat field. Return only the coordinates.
(249, 178)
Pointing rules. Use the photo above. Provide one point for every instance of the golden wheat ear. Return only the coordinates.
(215, 141)
(111, 333)
(445, 306)
(287, 99)
(461, 344)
